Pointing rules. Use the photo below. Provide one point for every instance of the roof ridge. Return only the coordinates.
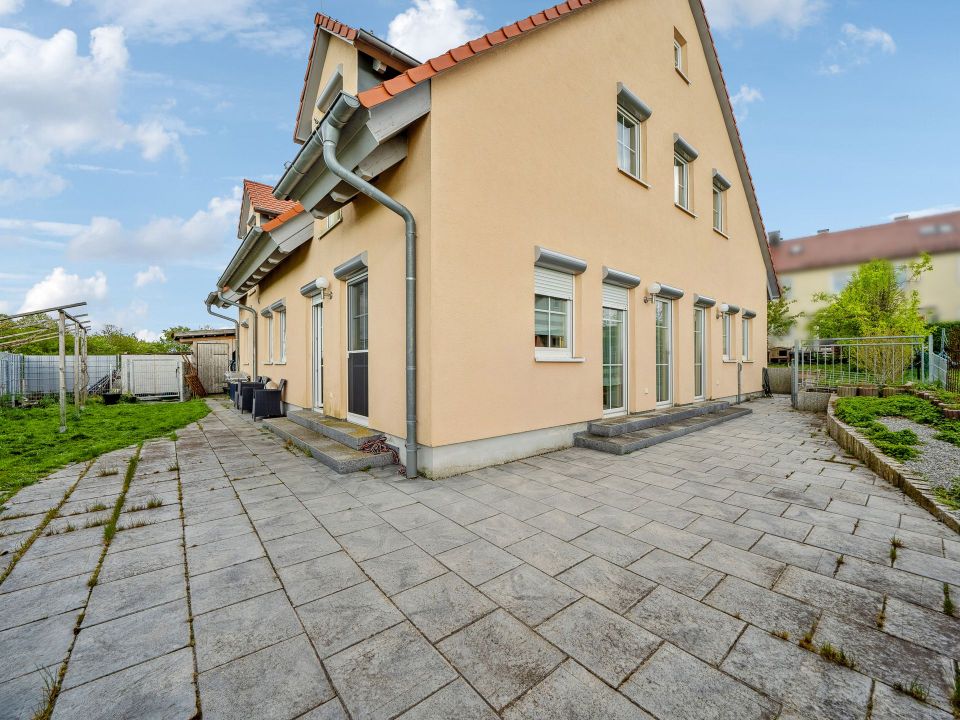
(426, 70)
(334, 26)
(894, 222)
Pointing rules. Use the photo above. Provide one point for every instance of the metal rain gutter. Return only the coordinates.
(211, 299)
(253, 328)
(338, 116)
(387, 48)
(249, 240)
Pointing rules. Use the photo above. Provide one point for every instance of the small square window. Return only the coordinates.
(628, 143)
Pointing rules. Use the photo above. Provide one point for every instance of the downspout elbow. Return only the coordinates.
(253, 328)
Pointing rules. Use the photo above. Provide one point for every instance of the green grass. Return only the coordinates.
(31, 447)
(950, 495)
(863, 412)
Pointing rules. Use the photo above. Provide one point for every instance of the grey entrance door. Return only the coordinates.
(358, 399)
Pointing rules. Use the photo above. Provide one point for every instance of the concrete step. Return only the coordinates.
(331, 453)
(612, 427)
(342, 431)
(639, 439)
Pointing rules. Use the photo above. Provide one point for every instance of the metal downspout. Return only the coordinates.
(338, 116)
(253, 327)
(236, 325)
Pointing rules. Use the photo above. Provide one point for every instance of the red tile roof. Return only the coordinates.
(262, 199)
(390, 88)
(895, 240)
(283, 217)
(336, 27)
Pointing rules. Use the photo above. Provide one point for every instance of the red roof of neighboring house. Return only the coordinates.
(283, 217)
(262, 199)
(893, 241)
(390, 88)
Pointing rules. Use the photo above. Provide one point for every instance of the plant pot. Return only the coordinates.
(111, 398)
(868, 391)
(847, 390)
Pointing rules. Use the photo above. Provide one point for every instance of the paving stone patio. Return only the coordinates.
(676, 582)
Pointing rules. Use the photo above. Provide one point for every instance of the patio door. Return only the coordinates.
(614, 350)
(664, 351)
(317, 310)
(357, 352)
(699, 353)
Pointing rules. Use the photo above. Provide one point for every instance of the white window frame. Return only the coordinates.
(282, 315)
(548, 353)
(681, 178)
(727, 326)
(719, 209)
(678, 55)
(745, 340)
(637, 138)
(270, 339)
(700, 316)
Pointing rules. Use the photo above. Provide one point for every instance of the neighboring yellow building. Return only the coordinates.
(565, 269)
(825, 262)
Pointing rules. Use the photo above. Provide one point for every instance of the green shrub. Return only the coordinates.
(862, 412)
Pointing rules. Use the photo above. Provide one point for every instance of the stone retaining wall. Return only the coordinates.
(915, 487)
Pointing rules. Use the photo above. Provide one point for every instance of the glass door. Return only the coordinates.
(357, 354)
(664, 351)
(318, 354)
(699, 354)
(614, 361)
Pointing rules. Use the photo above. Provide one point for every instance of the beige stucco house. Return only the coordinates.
(476, 260)
(824, 263)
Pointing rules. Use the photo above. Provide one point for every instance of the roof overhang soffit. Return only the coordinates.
(370, 144)
(261, 252)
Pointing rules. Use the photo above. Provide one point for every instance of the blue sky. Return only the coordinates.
(126, 126)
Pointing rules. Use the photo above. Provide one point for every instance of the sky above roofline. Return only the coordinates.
(126, 129)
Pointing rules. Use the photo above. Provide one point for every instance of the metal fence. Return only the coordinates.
(827, 364)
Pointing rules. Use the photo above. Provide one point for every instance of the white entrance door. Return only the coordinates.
(318, 353)
(664, 351)
(614, 350)
(357, 352)
(699, 353)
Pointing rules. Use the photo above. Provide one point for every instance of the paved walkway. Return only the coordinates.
(707, 577)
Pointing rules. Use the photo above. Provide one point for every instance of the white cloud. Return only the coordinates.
(162, 239)
(856, 47)
(742, 99)
(790, 15)
(153, 274)
(177, 21)
(147, 335)
(61, 288)
(9, 7)
(59, 102)
(432, 27)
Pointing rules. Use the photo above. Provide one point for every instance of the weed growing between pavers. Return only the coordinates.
(862, 412)
(782, 634)
(955, 695)
(836, 567)
(915, 689)
(837, 655)
(107, 472)
(31, 447)
(950, 495)
(882, 615)
(109, 530)
(47, 518)
(948, 606)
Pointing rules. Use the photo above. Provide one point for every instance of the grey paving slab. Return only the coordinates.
(548, 553)
(673, 540)
(160, 689)
(279, 526)
(440, 536)
(745, 565)
(793, 553)
(840, 598)
(411, 516)
(607, 644)
(502, 529)
(402, 569)
(478, 561)
(690, 625)
(330, 710)
(612, 546)
(675, 572)
(223, 553)
(529, 594)
(232, 584)
(572, 692)
(26, 695)
(500, 657)
(39, 644)
(798, 678)
(389, 673)
(443, 605)
(373, 542)
(235, 630)
(674, 684)
(608, 584)
(727, 533)
(28, 573)
(615, 519)
(132, 538)
(344, 618)
(111, 600)
(320, 577)
(299, 547)
(41, 601)
(132, 639)
(127, 563)
(351, 520)
(764, 608)
(890, 704)
(281, 681)
(456, 700)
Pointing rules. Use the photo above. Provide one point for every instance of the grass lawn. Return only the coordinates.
(31, 447)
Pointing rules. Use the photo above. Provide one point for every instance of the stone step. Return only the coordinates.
(331, 453)
(342, 431)
(612, 427)
(639, 439)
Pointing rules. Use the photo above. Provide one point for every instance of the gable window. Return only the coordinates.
(553, 304)
(720, 187)
(683, 156)
(679, 53)
(632, 112)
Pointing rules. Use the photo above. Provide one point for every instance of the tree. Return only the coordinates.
(779, 320)
(875, 302)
